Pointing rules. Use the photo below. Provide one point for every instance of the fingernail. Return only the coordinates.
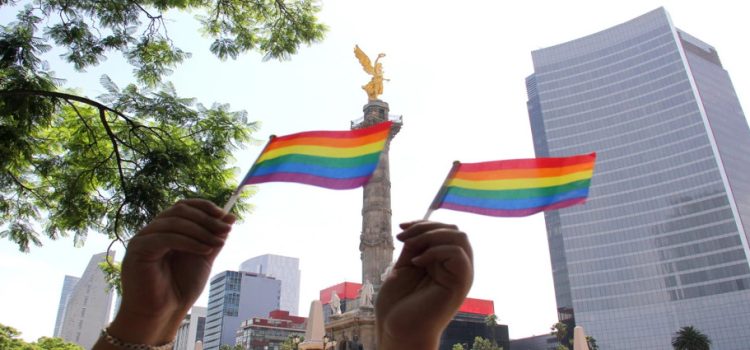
(400, 236)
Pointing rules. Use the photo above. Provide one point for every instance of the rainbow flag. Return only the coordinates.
(517, 187)
(332, 159)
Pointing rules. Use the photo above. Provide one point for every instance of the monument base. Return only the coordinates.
(353, 330)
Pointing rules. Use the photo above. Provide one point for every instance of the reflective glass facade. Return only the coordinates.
(69, 285)
(282, 268)
(234, 297)
(660, 244)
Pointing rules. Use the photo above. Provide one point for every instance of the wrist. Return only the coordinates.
(107, 342)
(412, 342)
(145, 329)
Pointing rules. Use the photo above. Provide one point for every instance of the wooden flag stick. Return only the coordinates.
(441, 193)
(236, 194)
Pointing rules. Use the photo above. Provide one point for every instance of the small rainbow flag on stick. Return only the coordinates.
(338, 160)
(517, 187)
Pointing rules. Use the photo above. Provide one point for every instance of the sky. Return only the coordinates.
(457, 77)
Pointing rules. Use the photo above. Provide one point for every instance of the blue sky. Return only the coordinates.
(457, 77)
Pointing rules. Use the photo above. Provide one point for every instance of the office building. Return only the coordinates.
(234, 297)
(348, 293)
(69, 283)
(537, 342)
(86, 311)
(282, 268)
(470, 322)
(662, 241)
(268, 333)
(191, 329)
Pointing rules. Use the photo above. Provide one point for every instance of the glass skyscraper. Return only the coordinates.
(233, 297)
(282, 268)
(87, 305)
(69, 284)
(662, 241)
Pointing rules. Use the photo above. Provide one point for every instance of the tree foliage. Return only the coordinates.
(481, 343)
(690, 338)
(112, 274)
(90, 29)
(560, 331)
(111, 166)
(289, 344)
(231, 347)
(10, 340)
(591, 341)
(491, 322)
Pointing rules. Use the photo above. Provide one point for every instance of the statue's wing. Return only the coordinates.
(364, 60)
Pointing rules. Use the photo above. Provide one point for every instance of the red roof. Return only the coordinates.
(478, 306)
(350, 290)
(345, 290)
(284, 315)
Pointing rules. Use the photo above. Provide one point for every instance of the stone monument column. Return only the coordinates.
(376, 239)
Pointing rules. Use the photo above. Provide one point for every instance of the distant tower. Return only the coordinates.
(356, 327)
(233, 297)
(376, 240)
(191, 329)
(86, 311)
(69, 284)
(282, 268)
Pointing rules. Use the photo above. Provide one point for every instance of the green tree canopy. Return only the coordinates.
(9, 337)
(112, 274)
(560, 331)
(690, 338)
(591, 341)
(289, 342)
(76, 164)
(56, 344)
(481, 343)
(231, 347)
(90, 29)
(10, 340)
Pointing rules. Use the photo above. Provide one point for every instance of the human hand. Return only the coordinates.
(165, 269)
(427, 285)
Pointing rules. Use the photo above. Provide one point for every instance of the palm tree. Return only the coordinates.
(592, 343)
(689, 338)
(491, 321)
(560, 331)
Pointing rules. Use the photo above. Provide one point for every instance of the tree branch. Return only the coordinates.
(65, 97)
(83, 120)
(115, 147)
(28, 189)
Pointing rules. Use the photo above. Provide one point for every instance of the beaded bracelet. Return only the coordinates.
(123, 345)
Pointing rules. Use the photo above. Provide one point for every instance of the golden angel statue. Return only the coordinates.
(375, 87)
